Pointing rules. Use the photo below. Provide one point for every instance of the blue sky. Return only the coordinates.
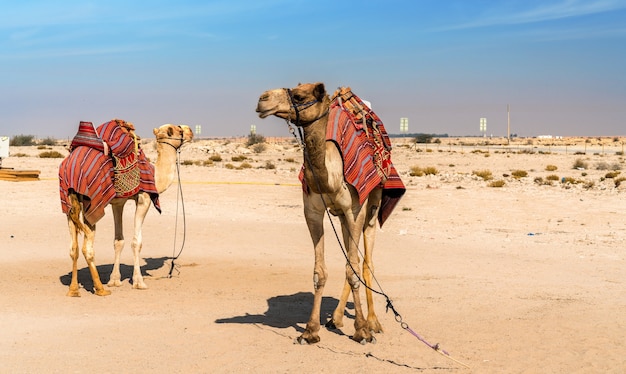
(560, 64)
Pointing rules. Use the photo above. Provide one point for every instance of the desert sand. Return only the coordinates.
(524, 278)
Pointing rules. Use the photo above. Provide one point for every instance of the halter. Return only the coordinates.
(181, 139)
(300, 107)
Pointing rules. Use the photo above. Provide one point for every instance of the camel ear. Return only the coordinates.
(170, 131)
(319, 91)
(155, 131)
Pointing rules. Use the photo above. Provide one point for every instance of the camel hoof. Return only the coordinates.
(102, 292)
(140, 286)
(331, 325)
(300, 340)
(114, 283)
(73, 293)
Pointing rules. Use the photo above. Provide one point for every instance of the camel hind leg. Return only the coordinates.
(73, 291)
(76, 224)
(369, 236)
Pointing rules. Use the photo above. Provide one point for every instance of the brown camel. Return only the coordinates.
(307, 106)
(169, 138)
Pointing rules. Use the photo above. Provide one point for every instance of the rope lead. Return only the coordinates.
(389, 305)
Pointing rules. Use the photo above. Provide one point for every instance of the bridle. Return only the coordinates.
(297, 108)
(181, 139)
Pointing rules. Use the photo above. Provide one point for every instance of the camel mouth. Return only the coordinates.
(265, 112)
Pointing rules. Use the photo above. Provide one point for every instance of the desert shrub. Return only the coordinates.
(552, 177)
(616, 166)
(423, 138)
(588, 185)
(19, 155)
(215, 157)
(428, 150)
(259, 147)
(229, 166)
(602, 166)
(618, 181)
(431, 170)
(484, 174)
(570, 180)
(50, 154)
(497, 183)
(612, 174)
(207, 163)
(254, 138)
(517, 174)
(540, 181)
(43, 147)
(22, 140)
(269, 165)
(187, 162)
(245, 165)
(290, 159)
(580, 164)
(238, 158)
(551, 168)
(416, 171)
(48, 141)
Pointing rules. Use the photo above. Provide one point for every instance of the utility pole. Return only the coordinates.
(508, 124)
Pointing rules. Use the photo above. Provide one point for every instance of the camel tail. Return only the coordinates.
(75, 211)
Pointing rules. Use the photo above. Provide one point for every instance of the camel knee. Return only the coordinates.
(319, 280)
(354, 282)
(89, 254)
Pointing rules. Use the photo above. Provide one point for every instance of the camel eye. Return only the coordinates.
(297, 97)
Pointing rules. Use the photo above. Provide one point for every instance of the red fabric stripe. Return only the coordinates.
(366, 159)
(89, 172)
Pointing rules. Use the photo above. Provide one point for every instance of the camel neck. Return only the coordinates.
(315, 171)
(165, 167)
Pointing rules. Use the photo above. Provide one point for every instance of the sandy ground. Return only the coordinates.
(525, 278)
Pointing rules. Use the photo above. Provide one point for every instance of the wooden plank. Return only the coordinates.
(19, 175)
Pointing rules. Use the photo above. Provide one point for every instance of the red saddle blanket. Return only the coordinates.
(365, 147)
(90, 170)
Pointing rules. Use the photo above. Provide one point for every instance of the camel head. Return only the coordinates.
(173, 135)
(301, 105)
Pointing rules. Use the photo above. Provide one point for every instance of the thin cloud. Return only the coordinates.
(541, 13)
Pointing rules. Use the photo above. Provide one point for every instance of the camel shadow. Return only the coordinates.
(126, 271)
(289, 311)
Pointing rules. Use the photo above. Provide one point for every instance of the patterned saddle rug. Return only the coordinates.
(105, 163)
(364, 144)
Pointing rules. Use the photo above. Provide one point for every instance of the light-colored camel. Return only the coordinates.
(307, 106)
(169, 138)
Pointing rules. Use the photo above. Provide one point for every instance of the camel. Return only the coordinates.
(169, 139)
(307, 106)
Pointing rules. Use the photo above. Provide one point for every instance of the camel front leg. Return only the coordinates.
(115, 280)
(89, 254)
(315, 223)
(73, 291)
(143, 204)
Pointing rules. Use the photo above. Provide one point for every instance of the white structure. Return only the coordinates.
(4, 148)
